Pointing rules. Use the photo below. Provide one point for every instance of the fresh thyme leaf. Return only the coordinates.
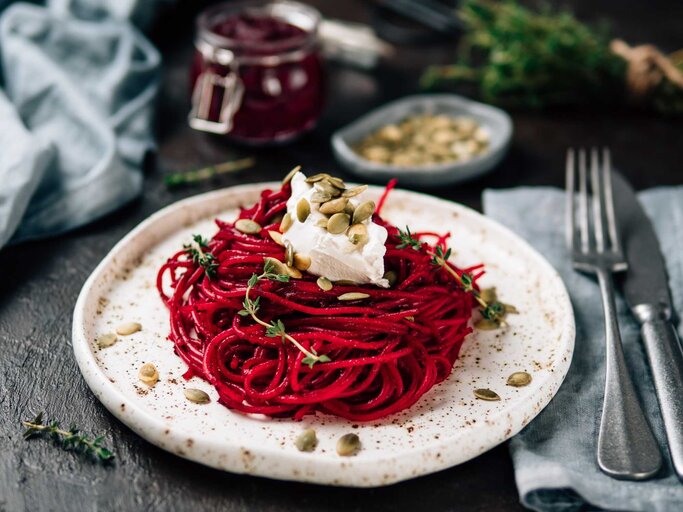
(323, 358)
(67, 439)
(407, 240)
(201, 242)
(199, 255)
(253, 280)
(276, 329)
(268, 267)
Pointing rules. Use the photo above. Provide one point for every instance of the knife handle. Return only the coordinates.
(666, 362)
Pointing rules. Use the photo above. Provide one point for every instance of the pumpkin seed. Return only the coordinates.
(391, 276)
(128, 328)
(338, 223)
(277, 237)
(334, 206)
(349, 209)
(320, 197)
(358, 234)
(345, 282)
(106, 340)
(410, 318)
(519, 379)
(302, 262)
(307, 441)
(278, 266)
(363, 211)
(322, 223)
(486, 325)
(291, 174)
(348, 445)
(196, 395)
(488, 295)
(353, 192)
(294, 272)
(289, 255)
(486, 394)
(336, 182)
(248, 226)
(148, 374)
(303, 210)
(286, 223)
(509, 308)
(324, 284)
(317, 177)
(353, 296)
(327, 188)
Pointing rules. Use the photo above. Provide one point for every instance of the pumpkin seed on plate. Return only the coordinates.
(248, 226)
(128, 328)
(302, 262)
(291, 174)
(486, 325)
(307, 441)
(334, 206)
(486, 394)
(286, 223)
(196, 395)
(358, 234)
(338, 223)
(106, 340)
(353, 192)
(363, 211)
(326, 187)
(276, 236)
(519, 379)
(488, 295)
(148, 374)
(324, 284)
(303, 210)
(289, 254)
(391, 276)
(294, 272)
(278, 266)
(317, 177)
(348, 445)
(353, 296)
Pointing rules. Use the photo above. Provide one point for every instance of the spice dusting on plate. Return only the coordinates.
(425, 140)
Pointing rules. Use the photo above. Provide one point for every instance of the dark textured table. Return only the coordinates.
(39, 283)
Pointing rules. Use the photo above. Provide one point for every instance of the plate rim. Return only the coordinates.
(132, 414)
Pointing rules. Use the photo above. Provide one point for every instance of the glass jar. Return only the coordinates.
(257, 74)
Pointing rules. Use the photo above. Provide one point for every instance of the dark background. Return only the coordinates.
(39, 281)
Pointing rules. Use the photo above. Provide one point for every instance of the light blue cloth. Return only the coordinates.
(554, 457)
(76, 116)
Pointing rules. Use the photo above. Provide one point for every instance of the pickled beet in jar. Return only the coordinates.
(257, 74)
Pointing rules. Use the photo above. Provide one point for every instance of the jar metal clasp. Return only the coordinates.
(210, 83)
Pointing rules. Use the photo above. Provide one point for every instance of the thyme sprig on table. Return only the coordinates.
(276, 328)
(493, 311)
(70, 439)
(199, 253)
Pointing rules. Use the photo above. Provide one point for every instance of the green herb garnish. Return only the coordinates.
(70, 439)
(199, 254)
(276, 328)
(205, 173)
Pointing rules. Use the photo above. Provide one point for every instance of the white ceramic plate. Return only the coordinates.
(446, 427)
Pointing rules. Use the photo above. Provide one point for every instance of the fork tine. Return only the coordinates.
(609, 200)
(599, 227)
(583, 201)
(570, 208)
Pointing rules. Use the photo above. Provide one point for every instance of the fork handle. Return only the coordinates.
(627, 449)
(666, 361)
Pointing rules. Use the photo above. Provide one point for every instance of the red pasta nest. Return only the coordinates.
(385, 351)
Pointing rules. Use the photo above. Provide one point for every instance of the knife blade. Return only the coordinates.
(646, 288)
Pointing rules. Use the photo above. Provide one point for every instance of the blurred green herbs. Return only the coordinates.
(521, 58)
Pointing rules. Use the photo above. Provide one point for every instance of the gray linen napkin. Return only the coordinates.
(75, 116)
(554, 456)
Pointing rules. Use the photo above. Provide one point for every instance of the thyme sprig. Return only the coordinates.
(70, 439)
(194, 176)
(199, 253)
(276, 328)
(494, 311)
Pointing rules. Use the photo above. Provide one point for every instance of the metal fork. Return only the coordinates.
(626, 447)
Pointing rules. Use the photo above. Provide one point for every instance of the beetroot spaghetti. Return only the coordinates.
(360, 359)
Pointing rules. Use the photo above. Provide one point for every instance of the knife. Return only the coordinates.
(646, 288)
